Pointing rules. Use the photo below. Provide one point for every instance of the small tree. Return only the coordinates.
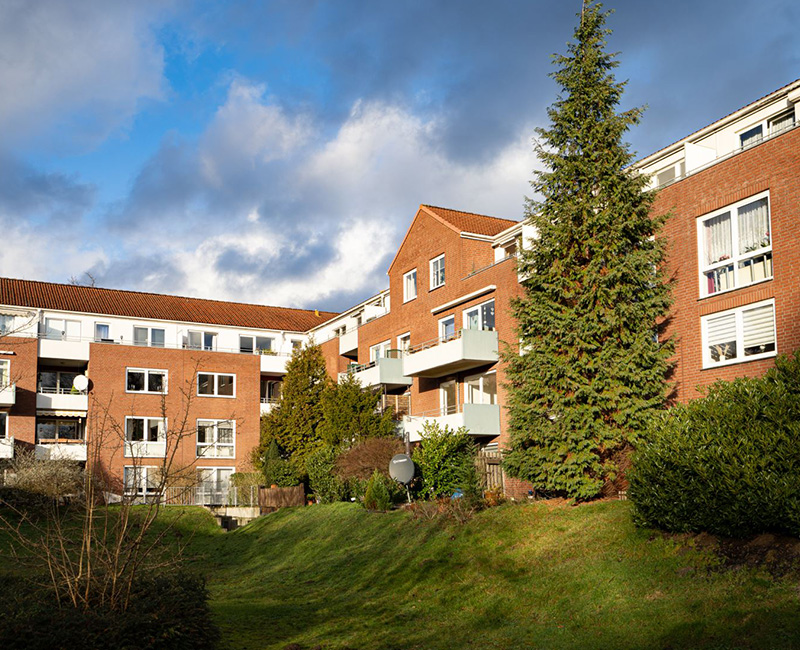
(446, 460)
(590, 369)
(294, 421)
(350, 413)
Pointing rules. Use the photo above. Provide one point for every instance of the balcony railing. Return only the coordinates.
(478, 419)
(461, 350)
(211, 495)
(8, 395)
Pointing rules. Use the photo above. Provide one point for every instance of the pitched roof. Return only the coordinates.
(136, 304)
(479, 224)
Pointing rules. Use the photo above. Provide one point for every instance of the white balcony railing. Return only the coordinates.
(61, 450)
(385, 371)
(8, 395)
(212, 495)
(478, 419)
(61, 399)
(267, 404)
(441, 356)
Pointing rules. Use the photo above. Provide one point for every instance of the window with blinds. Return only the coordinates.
(740, 334)
(735, 246)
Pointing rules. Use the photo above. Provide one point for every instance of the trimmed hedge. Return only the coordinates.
(166, 613)
(728, 463)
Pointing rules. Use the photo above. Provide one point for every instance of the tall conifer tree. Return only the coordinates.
(591, 367)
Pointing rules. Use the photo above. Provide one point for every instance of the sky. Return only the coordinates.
(276, 152)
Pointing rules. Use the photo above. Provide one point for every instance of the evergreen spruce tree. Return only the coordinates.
(591, 367)
(349, 414)
(294, 420)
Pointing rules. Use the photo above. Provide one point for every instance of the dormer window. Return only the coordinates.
(751, 136)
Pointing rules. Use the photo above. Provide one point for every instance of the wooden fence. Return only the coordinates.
(489, 469)
(270, 499)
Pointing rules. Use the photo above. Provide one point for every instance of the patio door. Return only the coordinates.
(448, 397)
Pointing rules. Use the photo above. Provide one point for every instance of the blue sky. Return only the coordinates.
(275, 152)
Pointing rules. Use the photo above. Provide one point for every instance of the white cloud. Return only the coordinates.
(77, 70)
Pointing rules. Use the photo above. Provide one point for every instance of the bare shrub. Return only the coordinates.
(52, 478)
(371, 455)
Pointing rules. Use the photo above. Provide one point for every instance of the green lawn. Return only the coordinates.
(517, 576)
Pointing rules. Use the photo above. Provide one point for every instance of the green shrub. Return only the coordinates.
(728, 463)
(323, 481)
(446, 461)
(377, 495)
(278, 470)
(33, 620)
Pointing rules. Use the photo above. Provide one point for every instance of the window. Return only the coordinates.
(145, 429)
(379, 351)
(481, 389)
(142, 481)
(752, 136)
(140, 380)
(270, 390)
(255, 344)
(404, 342)
(201, 340)
(6, 323)
(296, 344)
(102, 332)
(62, 329)
(57, 382)
(214, 384)
(3, 426)
(410, 285)
(447, 328)
(215, 439)
(480, 317)
(781, 123)
(735, 246)
(448, 397)
(5, 372)
(214, 479)
(737, 335)
(149, 336)
(437, 272)
(55, 430)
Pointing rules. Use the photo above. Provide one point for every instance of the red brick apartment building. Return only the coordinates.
(431, 342)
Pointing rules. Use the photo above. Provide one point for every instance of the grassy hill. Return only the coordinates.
(529, 576)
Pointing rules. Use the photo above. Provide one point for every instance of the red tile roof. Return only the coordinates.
(136, 304)
(479, 224)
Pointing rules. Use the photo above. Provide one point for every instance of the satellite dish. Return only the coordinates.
(81, 382)
(401, 468)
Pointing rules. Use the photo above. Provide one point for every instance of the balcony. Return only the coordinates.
(62, 399)
(8, 395)
(64, 349)
(267, 404)
(478, 419)
(381, 372)
(61, 450)
(6, 448)
(348, 343)
(274, 364)
(439, 357)
(145, 449)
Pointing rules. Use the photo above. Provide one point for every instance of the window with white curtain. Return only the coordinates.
(742, 334)
(735, 246)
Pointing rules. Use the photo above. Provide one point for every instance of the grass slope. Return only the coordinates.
(531, 576)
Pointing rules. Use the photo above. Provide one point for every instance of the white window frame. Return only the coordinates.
(758, 125)
(60, 387)
(254, 344)
(147, 372)
(149, 338)
(146, 448)
(767, 127)
(442, 322)
(63, 336)
(481, 379)
(5, 377)
(444, 408)
(407, 295)
(212, 449)
(80, 429)
(6, 324)
(203, 334)
(400, 343)
(141, 487)
(379, 350)
(479, 309)
(97, 338)
(740, 357)
(736, 258)
(436, 271)
(216, 376)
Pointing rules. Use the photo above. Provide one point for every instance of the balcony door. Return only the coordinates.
(448, 397)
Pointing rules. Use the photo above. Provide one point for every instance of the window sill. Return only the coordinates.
(145, 392)
(727, 291)
(435, 288)
(733, 362)
(222, 396)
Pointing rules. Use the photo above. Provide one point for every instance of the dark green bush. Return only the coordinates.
(377, 495)
(166, 613)
(323, 480)
(277, 469)
(728, 463)
(446, 462)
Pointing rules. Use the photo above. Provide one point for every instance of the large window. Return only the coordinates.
(481, 389)
(5, 372)
(145, 437)
(270, 390)
(201, 340)
(142, 380)
(742, 334)
(480, 317)
(62, 329)
(216, 384)
(56, 382)
(215, 438)
(142, 481)
(379, 351)
(437, 272)
(255, 344)
(735, 246)
(410, 285)
(447, 328)
(6, 323)
(152, 336)
(58, 429)
(102, 332)
(448, 397)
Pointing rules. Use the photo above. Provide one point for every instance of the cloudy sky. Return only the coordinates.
(275, 152)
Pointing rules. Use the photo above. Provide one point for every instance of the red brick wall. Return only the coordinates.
(107, 372)
(775, 166)
(23, 372)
